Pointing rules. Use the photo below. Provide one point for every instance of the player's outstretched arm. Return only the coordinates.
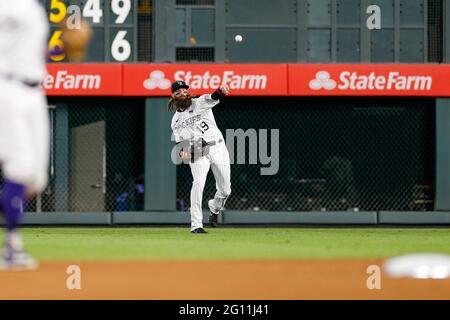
(222, 91)
(208, 101)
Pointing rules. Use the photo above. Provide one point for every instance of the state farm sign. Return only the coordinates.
(354, 81)
(386, 80)
(157, 80)
(235, 81)
(83, 80)
(393, 81)
(66, 81)
(149, 80)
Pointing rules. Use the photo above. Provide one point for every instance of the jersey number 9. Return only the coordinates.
(203, 127)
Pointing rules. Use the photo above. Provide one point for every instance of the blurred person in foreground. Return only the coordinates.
(24, 119)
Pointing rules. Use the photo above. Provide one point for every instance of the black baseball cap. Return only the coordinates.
(179, 84)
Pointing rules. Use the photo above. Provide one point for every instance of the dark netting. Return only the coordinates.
(335, 154)
(145, 30)
(97, 161)
(195, 2)
(195, 54)
(435, 31)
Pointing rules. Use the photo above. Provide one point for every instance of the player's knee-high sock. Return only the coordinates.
(12, 202)
(221, 173)
(218, 203)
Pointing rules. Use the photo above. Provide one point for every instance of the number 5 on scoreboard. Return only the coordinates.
(61, 11)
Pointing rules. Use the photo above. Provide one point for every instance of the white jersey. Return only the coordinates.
(23, 39)
(197, 121)
(24, 121)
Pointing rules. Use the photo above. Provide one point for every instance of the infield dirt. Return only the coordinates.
(216, 279)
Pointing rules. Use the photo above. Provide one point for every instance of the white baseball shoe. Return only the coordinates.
(16, 259)
(19, 261)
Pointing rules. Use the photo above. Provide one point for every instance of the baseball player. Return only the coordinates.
(201, 143)
(24, 123)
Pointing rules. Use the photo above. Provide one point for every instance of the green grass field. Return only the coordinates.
(231, 243)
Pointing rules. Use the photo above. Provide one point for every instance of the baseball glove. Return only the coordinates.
(197, 149)
(76, 40)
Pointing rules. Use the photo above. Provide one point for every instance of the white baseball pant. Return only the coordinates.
(218, 159)
(24, 135)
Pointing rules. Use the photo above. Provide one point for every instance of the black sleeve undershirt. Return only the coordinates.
(216, 95)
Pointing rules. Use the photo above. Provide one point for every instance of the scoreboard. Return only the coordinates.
(114, 23)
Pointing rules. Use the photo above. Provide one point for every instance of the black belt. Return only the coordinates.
(28, 83)
(213, 143)
(197, 151)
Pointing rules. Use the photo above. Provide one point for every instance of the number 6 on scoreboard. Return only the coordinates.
(121, 48)
(56, 47)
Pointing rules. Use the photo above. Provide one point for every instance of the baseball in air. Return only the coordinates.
(238, 38)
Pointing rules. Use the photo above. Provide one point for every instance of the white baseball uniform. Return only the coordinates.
(24, 123)
(193, 124)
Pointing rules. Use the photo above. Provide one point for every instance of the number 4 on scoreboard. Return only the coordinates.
(93, 10)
